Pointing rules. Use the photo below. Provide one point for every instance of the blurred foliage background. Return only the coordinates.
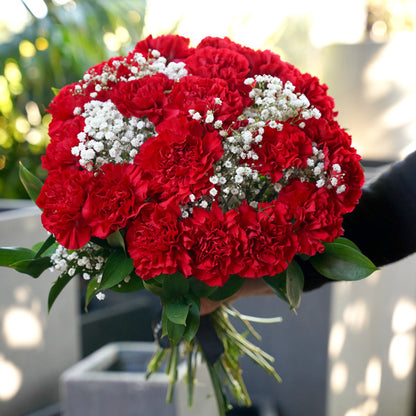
(57, 42)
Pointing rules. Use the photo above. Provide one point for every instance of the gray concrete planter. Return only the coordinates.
(112, 381)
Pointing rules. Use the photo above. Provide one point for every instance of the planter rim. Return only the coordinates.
(93, 367)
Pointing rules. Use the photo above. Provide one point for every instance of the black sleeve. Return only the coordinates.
(383, 224)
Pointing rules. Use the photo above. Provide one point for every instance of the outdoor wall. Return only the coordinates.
(35, 348)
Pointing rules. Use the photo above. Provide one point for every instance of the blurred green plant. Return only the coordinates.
(49, 53)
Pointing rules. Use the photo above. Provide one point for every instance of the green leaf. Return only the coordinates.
(55, 90)
(116, 240)
(199, 288)
(175, 286)
(177, 312)
(192, 322)
(33, 267)
(31, 183)
(278, 285)
(134, 284)
(43, 249)
(294, 284)
(11, 255)
(164, 323)
(342, 262)
(92, 289)
(57, 288)
(346, 242)
(116, 269)
(232, 286)
(153, 287)
(175, 332)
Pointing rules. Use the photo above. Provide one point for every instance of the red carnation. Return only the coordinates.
(172, 47)
(63, 138)
(316, 94)
(142, 97)
(199, 94)
(281, 150)
(336, 145)
(215, 242)
(178, 161)
(351, 179)
(315, 214)
(154, 241)
(210, 62)
(62, 199)
(63, 105)
(114, 198)
(269, 63)
(271, 244)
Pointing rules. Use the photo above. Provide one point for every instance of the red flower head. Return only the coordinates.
(281, 150)
(172, 47)
(155, 241)
(66, 101)
(342, 161)
(269, 63)
(215, 243)
(316, 215)
(114, 198)
(63, 138)
(316, 94)
(142, 97)
(200, 94)
(271, 243)
(62, 199)
(179, 160)
(210, 62)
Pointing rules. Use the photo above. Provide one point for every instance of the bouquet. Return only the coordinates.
(186, 171)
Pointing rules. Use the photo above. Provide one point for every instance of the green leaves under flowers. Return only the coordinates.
(288, 285)
(11, 255)
(177, 312)
(181, 320)
(31, 183)
(342, 260)
(175, 286)
(47, 247)
(192, 322)
(131, 283)
(181, 304)
(28, 261)
(117, 267)
(116, 240)
(278, 285)
(294, 284)
(33, 267)
(57, 288)
(232, 285)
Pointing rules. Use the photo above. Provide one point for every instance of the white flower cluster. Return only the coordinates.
(315, 172)
(274, 103)
(86, 261)
(108, 136)
(137, 67)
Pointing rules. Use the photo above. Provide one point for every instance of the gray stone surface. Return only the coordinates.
(34, 347)
(89, 388)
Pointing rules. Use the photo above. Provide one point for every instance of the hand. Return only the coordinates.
(251, 287)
